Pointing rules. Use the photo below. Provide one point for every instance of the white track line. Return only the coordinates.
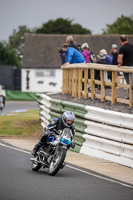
(77, 169)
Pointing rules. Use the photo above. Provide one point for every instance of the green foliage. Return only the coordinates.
(16, 40)
(8, 56)
(62, 26)
(122, 25)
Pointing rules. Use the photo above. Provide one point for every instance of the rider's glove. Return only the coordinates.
(72, 145)
(46, 129)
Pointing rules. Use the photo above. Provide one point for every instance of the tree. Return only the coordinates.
(62, 26)
(8, 56)
(16, 40)
(10, 53)
(122, 25)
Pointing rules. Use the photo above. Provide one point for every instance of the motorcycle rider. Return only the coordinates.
(58, 124)
(2, 102)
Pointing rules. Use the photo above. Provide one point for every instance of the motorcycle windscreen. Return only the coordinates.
(67, 136)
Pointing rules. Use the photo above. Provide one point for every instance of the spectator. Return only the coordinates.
(79, 48)
(114, 54)
(72, 55)
(86, 55)
(62, 56)
(125, 57)
(86, 52)
(115, 58)
(93, 57)
(102, 60)
(71, 43)
(108, 59)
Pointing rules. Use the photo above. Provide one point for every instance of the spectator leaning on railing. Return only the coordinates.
(71, 43)
(72, 55)
(125, 56)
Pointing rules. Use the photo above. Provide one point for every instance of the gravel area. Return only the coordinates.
(119, 107)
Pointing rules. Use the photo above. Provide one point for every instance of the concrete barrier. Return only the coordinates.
(108, 150)
(100, 133)
(109, 117)
(53, 108)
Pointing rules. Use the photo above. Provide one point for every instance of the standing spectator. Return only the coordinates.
(79, 48)
(102, 60)
(86, 54)
(62, 56)
(93, 57)
(70, 42)
(114, 54)
(125, 57)
(115, 58)
(72, 55)
(108, 59)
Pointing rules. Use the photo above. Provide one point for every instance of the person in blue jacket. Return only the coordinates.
(72, 55)
(108, 58)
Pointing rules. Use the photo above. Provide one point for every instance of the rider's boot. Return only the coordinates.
(35, 149)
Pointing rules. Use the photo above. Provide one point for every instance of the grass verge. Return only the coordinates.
(20, 124)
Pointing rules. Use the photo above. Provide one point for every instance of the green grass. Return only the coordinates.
(24, 124)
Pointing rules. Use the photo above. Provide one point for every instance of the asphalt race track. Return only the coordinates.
(19, 182)
(18, 105)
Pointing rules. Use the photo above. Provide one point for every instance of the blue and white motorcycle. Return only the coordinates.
(53, 154)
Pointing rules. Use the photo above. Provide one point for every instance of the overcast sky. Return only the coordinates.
(91, 14)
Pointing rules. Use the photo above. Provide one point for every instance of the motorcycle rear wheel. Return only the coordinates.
(56, 164)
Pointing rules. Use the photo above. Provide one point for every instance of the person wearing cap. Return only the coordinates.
(102, 60)
(114, 54)
(108, 58)
(72, 55)
(70, 42)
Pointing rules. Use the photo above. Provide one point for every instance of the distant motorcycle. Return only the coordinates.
(53, 154)
(2, 102)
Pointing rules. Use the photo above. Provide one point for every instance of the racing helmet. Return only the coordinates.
(68, 118)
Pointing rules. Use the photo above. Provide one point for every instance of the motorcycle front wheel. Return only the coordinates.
(35, 166)
(57, 162)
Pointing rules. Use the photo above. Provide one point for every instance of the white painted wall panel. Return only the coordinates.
(41, 80)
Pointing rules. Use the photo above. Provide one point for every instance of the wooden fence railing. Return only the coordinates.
(72, 82)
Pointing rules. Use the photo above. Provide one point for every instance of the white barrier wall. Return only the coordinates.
(44, 104)
(109, 135)
(41, 80)
(109, 117)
